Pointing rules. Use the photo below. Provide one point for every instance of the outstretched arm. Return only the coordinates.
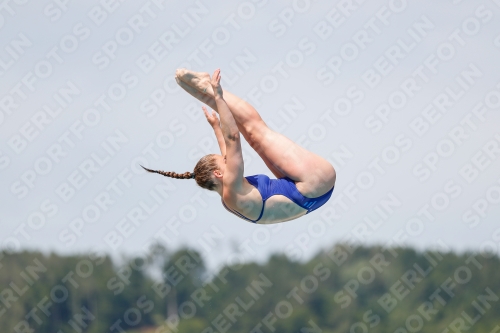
(233, 175)
(228, 124)
(214, 122)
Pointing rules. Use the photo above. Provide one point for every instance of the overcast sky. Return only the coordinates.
(403, 97)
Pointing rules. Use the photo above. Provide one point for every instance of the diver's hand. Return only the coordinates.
(211, 118)
(215, 82)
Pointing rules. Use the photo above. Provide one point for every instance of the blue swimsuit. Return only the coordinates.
(283, 186)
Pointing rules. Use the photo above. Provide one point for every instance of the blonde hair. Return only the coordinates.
(203, 172)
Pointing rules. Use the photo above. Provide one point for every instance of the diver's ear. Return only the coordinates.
(218, 173)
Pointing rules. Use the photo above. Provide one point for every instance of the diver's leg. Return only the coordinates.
(204, 98)
(313, 174)
(244, 113)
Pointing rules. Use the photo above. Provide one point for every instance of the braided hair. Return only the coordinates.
(185, 175)
(203, 172)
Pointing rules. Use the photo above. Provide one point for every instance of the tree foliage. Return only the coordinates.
(342, 289)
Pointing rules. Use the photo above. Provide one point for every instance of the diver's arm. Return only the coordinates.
(215, 123)
(220, 140)
(233, 175)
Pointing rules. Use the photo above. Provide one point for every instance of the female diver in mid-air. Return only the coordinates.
(305, 180)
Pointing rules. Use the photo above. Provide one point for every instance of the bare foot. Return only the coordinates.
(204, 98)
(198, 80)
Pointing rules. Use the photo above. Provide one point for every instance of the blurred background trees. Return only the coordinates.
(342, 289)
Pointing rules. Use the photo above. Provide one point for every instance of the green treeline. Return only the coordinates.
(342, 289)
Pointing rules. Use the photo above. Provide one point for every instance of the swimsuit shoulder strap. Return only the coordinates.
(241, 215)
(254, 181)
